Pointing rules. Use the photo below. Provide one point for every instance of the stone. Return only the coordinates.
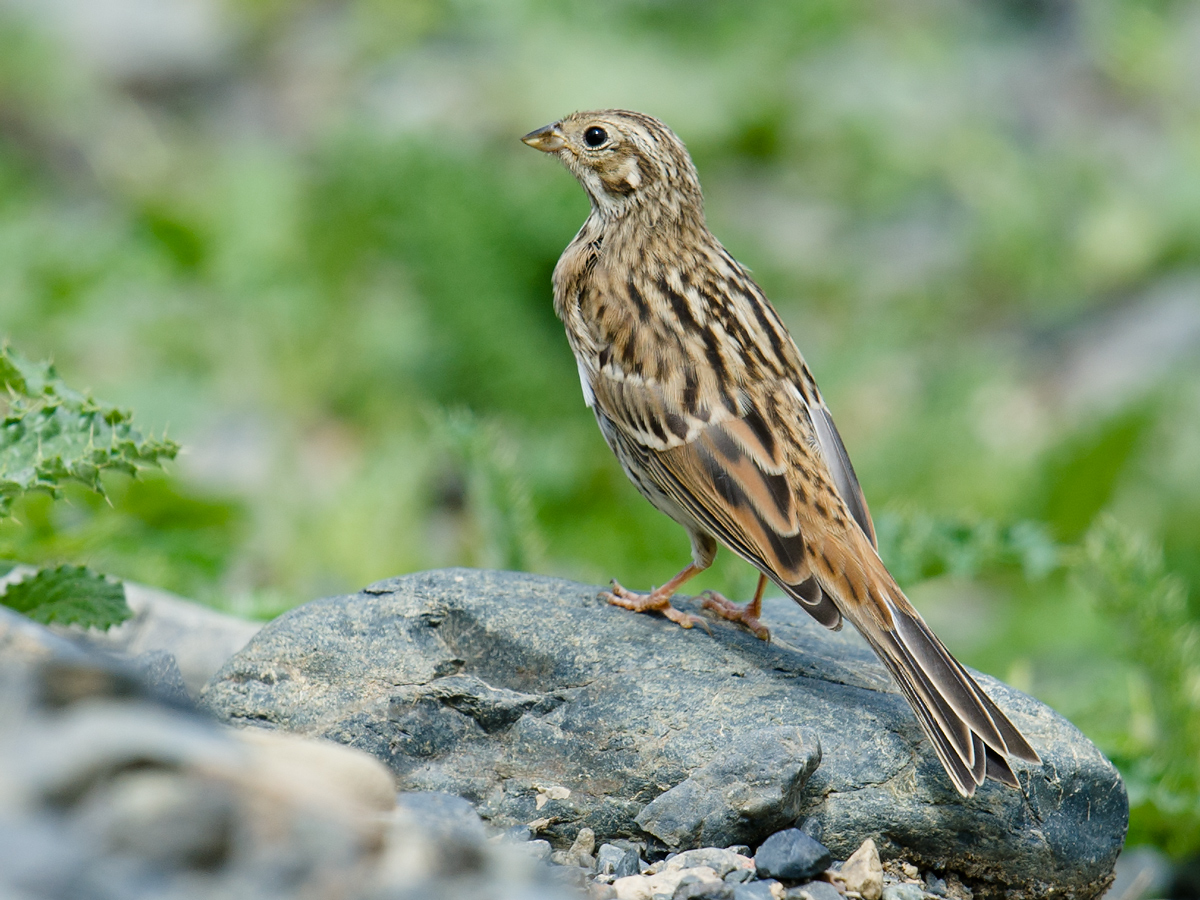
(863, 872)
(538, 849)
(607, 858)
(791, 854)
(106, 790)
(814, 890)
(935, 885)
(720, 861)
(580, 851)
(707, 890)
(754, 785)
(903, 892)
(739, 875)
(646, 887)
(445, 818)
(756, 890)
(629, 864)
(492, 685)
(518, 834)
(160, 669)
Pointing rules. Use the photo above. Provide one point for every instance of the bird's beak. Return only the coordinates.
(548, 139)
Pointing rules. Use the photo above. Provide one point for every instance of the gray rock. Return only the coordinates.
(754, 890)
(935, 885)
(538, 849)
(739, 875)
(107, 791)
(705, 891)
(444, 817)
(518, 834)
(791, 854)
(814, 890)
(160, 670)
(903, 892)
(629, 864)
(720, 861)
(752, 786)
(607, 858)
(553, 688)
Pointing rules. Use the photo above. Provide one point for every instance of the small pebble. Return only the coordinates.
(580, 853)
(518, 834)
(863, 872)
(629, 864)
(814, 890)
(754, 890)
(705, 890)
(903, 892)
(537, 849)
(935, 885)
(569, 876)
(721, 861)
(607, 858)
(737, 876)
(791, 854)
(648, 887)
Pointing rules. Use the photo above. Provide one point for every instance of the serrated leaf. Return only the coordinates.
(69, 595)
(52, 434)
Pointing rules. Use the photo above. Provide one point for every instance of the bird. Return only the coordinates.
(703, 396)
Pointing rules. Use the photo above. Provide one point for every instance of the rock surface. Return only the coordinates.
(543, 705)
(753, 785)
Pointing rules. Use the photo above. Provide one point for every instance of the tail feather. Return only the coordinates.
(972, 737)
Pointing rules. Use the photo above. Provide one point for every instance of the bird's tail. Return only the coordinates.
(972, 737)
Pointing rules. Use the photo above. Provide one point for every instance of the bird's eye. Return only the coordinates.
(595, 136)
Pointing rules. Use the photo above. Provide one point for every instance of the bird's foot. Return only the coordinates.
(745, 615)
(658, 600)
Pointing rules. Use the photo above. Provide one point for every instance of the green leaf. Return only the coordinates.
(52, 434)
(69, 595)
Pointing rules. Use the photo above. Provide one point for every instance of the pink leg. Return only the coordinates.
(658, 599)
(745, 615)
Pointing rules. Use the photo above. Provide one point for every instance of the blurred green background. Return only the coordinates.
(304, 239)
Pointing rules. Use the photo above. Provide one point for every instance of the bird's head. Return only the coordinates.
(625, 161)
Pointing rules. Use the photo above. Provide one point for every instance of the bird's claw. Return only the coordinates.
(637, 601)
(735, 612)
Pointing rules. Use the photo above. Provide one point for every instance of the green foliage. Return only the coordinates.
(150, 529)
(1080, 477)
(919, 546)
(53, 434)
(484, 481)
(1160, 751)
(69, 595)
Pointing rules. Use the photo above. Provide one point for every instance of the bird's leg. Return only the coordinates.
(658, 599)
(745, 615)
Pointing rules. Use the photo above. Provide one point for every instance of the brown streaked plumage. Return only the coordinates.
(702, 395)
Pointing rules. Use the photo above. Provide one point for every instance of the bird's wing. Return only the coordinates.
(833, 452)
(760, 482)
(737, 474)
